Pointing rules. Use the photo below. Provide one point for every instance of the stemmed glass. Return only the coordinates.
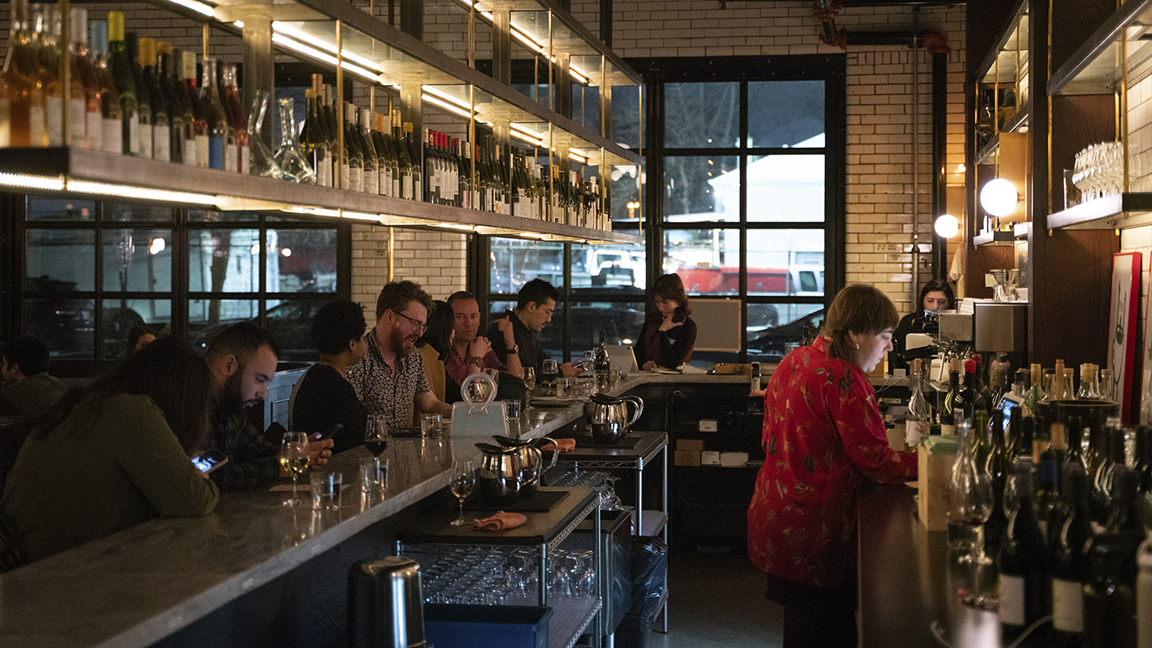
(462, 484)
(970, 495)
(587, 362)
(548, 372)
(529, 378)
(294, 459)
(376, 435)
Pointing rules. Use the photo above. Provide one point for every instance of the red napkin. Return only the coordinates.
(500, 521)
(566, 445)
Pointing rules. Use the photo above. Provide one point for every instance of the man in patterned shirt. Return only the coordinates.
(243, 359)
(390, 380)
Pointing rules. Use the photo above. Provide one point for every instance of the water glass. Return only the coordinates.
(512, 409)
(326, 490)
(431, 425)
(374, 475)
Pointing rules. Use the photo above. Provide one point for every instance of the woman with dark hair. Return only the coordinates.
(669, 333)
(138, 338)
(823, 436)
(434, 346)
(935, 296)
(115, 454)
(323, 396)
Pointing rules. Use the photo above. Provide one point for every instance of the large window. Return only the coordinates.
(744, 199)
(93, 270)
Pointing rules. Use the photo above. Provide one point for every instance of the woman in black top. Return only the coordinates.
(935, 296)
(669, 333)
(323, 396)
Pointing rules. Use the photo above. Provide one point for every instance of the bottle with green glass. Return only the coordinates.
(125, 84)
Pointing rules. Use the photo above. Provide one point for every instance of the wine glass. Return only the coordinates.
(529, 378)
(294, 459)
(548, 371)
(462, 484)
(970, 496)
(587, 362)
(376, 435)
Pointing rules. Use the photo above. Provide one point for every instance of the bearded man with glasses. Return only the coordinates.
(390, 380)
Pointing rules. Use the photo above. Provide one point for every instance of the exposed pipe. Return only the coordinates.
(914, 285)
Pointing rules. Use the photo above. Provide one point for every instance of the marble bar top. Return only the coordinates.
(140, 585)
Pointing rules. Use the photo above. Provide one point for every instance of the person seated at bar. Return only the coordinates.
(823, 436)
(324, 396)
(936, 296)
(242, 359)
(390, 380)
(138, 338)
(535, 304)
(115, 454)
(28, 389)
(669, 332)
(433, 347)
(470, 352)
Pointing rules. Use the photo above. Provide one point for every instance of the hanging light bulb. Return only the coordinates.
(947, 226)
(999, 197)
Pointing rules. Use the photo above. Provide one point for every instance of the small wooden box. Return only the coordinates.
(686, 458)
(936, 456)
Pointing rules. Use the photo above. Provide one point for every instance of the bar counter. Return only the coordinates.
(908, 582)
(142, 585)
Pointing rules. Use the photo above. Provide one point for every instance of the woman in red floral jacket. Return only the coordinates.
(823, 435)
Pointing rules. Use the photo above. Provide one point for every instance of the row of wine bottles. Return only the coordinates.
(124, 93)
(391, 164)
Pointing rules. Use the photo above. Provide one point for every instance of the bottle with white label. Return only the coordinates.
(918, 420)
(1069, 564)
(1024, 589)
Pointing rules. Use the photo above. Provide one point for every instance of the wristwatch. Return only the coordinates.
(514, 349)
(476, 360)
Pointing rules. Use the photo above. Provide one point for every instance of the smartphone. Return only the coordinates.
(679, 316)
(327, 434)
(209, 461)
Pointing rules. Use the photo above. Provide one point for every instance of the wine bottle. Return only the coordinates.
(46, 30)
(405, 163)
(601, 365)
(414, 156)
(214, 115)
(467, 184)
(1069, 564)
(166, 83)
(200, 145)
(111, 117)
(947, 417)
(998, 465)
(161, 126)
(1110, 593)
(23, 96)
(314, 143)
(1035, 390)
(125, 83)
(86, 130)
(1103, 480)
(371, 157)
(431, 168)
(143, 98)
(237, 118)
(1024, 588)
(354, 176)
(1047, 493)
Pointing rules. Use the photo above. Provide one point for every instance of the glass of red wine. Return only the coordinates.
(548, 371)
(376, 435)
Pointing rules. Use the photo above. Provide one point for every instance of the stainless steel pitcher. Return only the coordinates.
(532, 460)
(609, 418)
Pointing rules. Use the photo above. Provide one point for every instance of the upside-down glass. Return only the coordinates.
(462, 484)
(294, 459)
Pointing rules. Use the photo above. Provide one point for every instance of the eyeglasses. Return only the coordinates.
(420, 326)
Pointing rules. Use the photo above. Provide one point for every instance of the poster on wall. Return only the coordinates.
(1122, 320)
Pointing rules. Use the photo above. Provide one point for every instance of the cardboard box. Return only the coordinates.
(936, 456)
(733, 459)
(710, 458)
(690, 445)
(686, 458)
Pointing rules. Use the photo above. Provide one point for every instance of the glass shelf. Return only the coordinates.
(1119, 211)
(1097, 67)
(1008, 61)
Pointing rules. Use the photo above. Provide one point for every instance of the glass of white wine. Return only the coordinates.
(529, 378)
(294, 459)
(462, 484)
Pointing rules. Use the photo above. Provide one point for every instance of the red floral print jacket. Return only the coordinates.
(823, 434)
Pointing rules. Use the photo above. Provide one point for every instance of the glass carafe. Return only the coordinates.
(290, 155)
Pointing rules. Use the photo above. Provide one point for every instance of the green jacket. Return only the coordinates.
(107, 467)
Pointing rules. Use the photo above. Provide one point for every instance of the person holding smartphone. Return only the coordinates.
(669, 331)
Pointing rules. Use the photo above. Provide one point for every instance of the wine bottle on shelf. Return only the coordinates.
(404, 163)
(355, 177)
(88, 133)
(326, 175)
(414, 156)
(371, 156)
(161, 125)
(219, 130)
(237, 117)
(22, 95)
(1110, 591)
(74, 111)
(111, 117)
(125, 83)
(1069, 564)
(314, 143)
(144, 121)
(464, 173)
(168, 85)
(48, 59)
(1025, 591)
(431, 168)
(200, 145)
(389, 175)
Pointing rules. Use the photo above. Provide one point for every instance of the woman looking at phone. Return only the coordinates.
(114, 454)
(669, 332)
